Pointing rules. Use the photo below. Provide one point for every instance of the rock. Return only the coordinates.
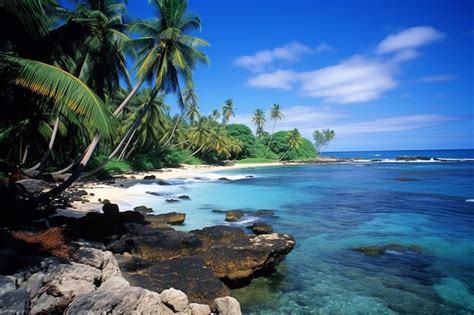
(163, 183)
(234, 215)
(105, 201)
(131, 217)
(98, 259)
(175, 299)
(375, 250)
(81, 192)
(7, 284)
(247, 255)
(15, 302)
(405, 179)
(96, 226)
(184, 197)
(116, 296)
(143, 209)
(34, 283)
(199, 309)
(110, 209)
(188, 274)
(227, 306)
(218, 235)
(149, 177)
(223, 178)
(412, 158)
(156, 244)
(171, 200)
(261, 228)
(169, 218)
(33, 186)
(264, 213)
(154, 193)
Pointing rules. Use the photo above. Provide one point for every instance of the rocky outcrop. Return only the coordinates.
(248, 255)
(143, 209)
(234, 215)
(168, 218)
(188, 274)
(261, 228)
(33, 186)
(218, 235)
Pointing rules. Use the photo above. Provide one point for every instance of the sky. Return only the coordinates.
(384, 75)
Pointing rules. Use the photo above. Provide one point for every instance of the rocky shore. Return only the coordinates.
(130, 262)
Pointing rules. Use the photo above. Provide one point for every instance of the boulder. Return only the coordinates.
(33, 186)
(14, 302)
(116, 296)
(227, 306)
(218, 235)
(248, 255)
(110, 209)
(156, 244)
(188, 274)
(99, 259)
(261, 228)
(171, 200)
(143, 209)
(7, 283)
(234, 215)
(184, 197)
(169, 218)
(199, 309)
(131, 217)
(412, 158)
(175, 299)
(149, 177)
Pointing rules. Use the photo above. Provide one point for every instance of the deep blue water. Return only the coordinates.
(332, 209)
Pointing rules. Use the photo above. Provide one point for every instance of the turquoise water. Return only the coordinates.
(331, 209)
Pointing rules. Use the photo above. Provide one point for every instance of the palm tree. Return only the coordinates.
(200, 135)
(295, 140)
(259, 120)
(215, 115)
(191, 102)
(227, 111)
(275, 114)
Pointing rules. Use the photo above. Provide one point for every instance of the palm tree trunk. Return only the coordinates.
(271, 136)
(122, 154)
(120, 108)
(194, 153)
(64, 170)
(25, 155)
(172, 132)
(284, 154)
(50, 148)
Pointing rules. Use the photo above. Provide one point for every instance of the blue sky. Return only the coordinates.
(382, 74)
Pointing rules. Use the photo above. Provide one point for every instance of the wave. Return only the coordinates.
(469, 200)
(222, 177)
(412, 160)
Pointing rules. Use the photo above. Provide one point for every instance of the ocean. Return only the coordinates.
(426, 207)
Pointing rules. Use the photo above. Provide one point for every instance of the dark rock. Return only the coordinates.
(169, 218)
(81, 192)
(405, 179)
(105, 201)
(246, 256)
(184, 197)
(91, 194)
(249, 176)
(375, 250)
(154, 193)
(219, 211)
(15, 302)
(264, 213)
(223, 178)
(218, 235)
(261, 228)
(143, 209)
(33, 186)
(163, 183)
(131, 217)
(171, 200)
(156, 244)
(149, 177)
(188, 274)
(110, 209)
(412, 158)
(234, 215)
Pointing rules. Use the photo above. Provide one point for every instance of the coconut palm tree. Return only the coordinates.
(199, 135)
(215, 115)
(275, 114)
(294, 139)
(227, 111)
(259, 120)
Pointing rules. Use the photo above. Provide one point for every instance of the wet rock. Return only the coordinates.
(227, 306)
(118, 297)
(171, 200)
(413, 158)
(168, 218)
(149, 177)
(175, 299)
(156, 244)
(261, 228)
(188, 274)
(375, 250)
(143, 209)
(248, 255)
(110, 209)
(223, 178)
(264, 213)
(218, 235)
(184, 197)
(234, 215)
(154, 193)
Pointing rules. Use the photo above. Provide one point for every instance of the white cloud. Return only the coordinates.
(410, 38)
(357, 79)
(393, 124)
(438, 78)
(289, 52)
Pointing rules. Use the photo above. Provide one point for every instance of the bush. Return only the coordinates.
(279, 145)
(245, 136)
(160, 159)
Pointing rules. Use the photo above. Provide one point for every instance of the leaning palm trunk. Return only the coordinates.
(271, 136)
(25, 155)
(172, 132)
(122, 154)
(128, 98)
(194, 153)
(50, 148)
(64, 170)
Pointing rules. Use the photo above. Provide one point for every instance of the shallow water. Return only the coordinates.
(331, 209)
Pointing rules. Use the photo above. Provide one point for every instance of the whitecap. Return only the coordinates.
(469, 200)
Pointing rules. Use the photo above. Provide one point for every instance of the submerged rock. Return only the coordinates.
(375, 250)
(261, 228)
(405, 179)
(234, 215)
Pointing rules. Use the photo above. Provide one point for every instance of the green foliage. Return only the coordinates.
(243, 134)
(280, 146)
(262, 151)
(256, 160)
(168, 158)
(322, 138)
